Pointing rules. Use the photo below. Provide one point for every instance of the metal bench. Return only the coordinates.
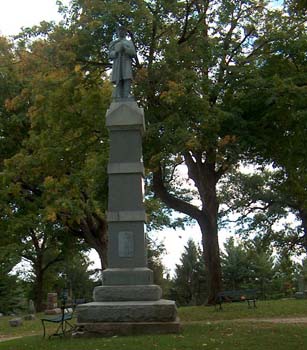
(63, 319)
(228, 296)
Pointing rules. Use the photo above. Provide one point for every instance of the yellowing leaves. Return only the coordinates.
(193, 143)
(49, 181)
(175, 91)
(77, 68)
(226, 140)
(51, 214)
(17, 102)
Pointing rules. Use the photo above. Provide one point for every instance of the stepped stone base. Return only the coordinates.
(127, 311)
(130, 276)
(127, 293)
(105, 329)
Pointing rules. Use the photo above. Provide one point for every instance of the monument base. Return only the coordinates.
(127, 293)
(127, 311)
(107, 329)
(108, 318)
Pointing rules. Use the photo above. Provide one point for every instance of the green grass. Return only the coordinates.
(198, 336)
(203, 334)
(265, 309)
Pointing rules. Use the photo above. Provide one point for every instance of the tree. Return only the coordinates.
(249, 264)
(155, 251)
(197, 110)
(11, 291)
(277, 140)
(74, 274)
(58, 175)
(286, 275)
(189, 281)
(258, 204)
(235, 265)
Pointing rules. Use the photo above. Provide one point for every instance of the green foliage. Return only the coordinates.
(155, 252)
(235, 266)
(263, 205)
(189, 284)
(12, 294)
(75, 274)
(56, 179)
(251, 264)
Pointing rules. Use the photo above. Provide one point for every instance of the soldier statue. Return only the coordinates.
(121, 51)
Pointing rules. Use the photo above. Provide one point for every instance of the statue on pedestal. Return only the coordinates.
(121, 51)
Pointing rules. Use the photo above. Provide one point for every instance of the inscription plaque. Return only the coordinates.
(125, 244)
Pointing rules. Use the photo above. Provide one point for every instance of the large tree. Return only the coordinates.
(277, 186)
(197, 62)
(56, 172)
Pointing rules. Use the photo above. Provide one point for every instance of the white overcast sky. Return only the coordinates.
(15, 14)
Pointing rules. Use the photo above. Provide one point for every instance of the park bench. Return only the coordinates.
(229, 296)
(63, 320)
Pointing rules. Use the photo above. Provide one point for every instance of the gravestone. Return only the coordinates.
(52, 304)
(127, 302)
(15, 322)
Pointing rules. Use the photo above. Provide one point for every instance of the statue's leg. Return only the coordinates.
(114, 92)
(118, 90)
(127, 87)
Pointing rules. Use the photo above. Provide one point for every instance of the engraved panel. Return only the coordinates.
(125, 244)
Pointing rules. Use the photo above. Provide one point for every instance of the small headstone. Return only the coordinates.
(15, 322)
(52, 301)
(55, 311)
(1, 314)
(32, 310)
(52, 304)
(29, 317)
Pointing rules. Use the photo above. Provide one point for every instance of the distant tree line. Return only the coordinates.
(245, 265)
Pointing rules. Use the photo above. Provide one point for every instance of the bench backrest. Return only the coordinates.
(238, 294)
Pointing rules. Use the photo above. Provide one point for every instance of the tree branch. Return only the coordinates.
(172, 201)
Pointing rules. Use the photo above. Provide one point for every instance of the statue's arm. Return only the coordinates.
(130, 50)
(112, 52)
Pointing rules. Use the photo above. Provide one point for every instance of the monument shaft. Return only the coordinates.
(127, 302)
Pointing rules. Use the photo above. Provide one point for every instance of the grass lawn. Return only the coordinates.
(203, 334)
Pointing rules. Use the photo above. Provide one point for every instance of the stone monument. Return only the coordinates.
(127, 302)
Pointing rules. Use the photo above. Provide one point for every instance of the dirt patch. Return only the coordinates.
(275, 320)
(2, 339)
(289, 320)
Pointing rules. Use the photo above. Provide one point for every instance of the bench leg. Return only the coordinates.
(43, 323)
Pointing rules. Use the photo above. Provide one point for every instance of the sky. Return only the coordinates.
(15, 14)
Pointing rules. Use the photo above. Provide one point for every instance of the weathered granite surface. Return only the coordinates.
(127, 311)
(105, 329)
(127, 293)
(16, 322)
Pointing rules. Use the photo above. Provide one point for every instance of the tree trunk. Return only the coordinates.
(212, 258)
(205, 178)
(206, 184)
(303, 217)
(38, 285)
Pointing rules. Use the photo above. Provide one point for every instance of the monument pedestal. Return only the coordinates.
(127, 302)
(108, 329)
